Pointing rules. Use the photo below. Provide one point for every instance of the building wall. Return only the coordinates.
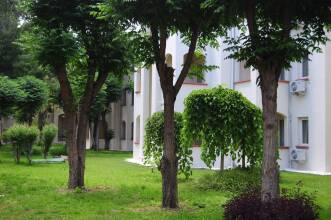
(314, 105)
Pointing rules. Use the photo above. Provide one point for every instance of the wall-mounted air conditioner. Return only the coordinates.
(298, 87)
(298, 155)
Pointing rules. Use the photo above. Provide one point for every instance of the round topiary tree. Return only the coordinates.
(35, 95)
(154, 141)
(225, 123)
(47, 137)
(22, 137)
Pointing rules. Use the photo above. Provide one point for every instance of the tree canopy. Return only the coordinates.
(224, 122)
(35, 94)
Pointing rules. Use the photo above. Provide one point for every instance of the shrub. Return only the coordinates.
(58, 150)
(293, 204)
(47, 137)
(36, 150)
(22, 137)
(154, 140)
(234, 181)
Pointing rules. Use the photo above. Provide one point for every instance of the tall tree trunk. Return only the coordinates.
(71, 134)
(222, 162)
(91, 128)
(95, 134)
(169, 162)
(1, 129)
(17, 155)
(42, 119)
(243, 159)
(105, 129)
(270, 169)
(81, 144)
(70, 115)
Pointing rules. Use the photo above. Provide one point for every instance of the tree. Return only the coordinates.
(35, 95)
(111, 92)
(224, 122)
(154, 141)
(47, 137)
(274, 34)
(10, 95)
(22, 138)
(9, 32)
(154, 21)
(73, 41)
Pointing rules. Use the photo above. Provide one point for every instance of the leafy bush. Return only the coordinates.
(154, 140)
(234, 181)
(293, 204)
(58, 150)
(47, 137)
(22, 137)
(36, 150)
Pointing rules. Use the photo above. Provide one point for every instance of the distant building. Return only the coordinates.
(119, 119)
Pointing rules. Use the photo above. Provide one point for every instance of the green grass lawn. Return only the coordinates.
(117, 190)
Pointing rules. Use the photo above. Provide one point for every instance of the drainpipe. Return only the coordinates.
(232, 77)
(290, 138)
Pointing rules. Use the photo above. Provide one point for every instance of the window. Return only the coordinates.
(305, 131)
(168, 60)
(244, 74)
(281, 132)
(123, 130)
(123, 98)
(132, 126)
(305, 67)
(282, 75)
(132, 98)
(198, 61)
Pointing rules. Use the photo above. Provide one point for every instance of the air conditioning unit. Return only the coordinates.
(298, 155)
(298, 87)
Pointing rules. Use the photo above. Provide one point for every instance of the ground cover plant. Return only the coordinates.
(118, 190)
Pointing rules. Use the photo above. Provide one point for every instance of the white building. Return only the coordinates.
(119, 120)
(303, 115)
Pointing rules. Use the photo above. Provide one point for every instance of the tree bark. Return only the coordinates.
(95, 136)
(1, 128)
(169, 162)
(70, 125)
(91, 129)
(17, 155)
(243, 160)
(222, 162)
(270, 169)
(71, 133)
(105, 129)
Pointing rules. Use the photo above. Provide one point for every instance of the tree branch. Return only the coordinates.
(188, 60)
(66, 90)
(250, 16)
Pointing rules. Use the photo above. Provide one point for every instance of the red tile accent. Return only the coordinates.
(240, 82)
(302, 147)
